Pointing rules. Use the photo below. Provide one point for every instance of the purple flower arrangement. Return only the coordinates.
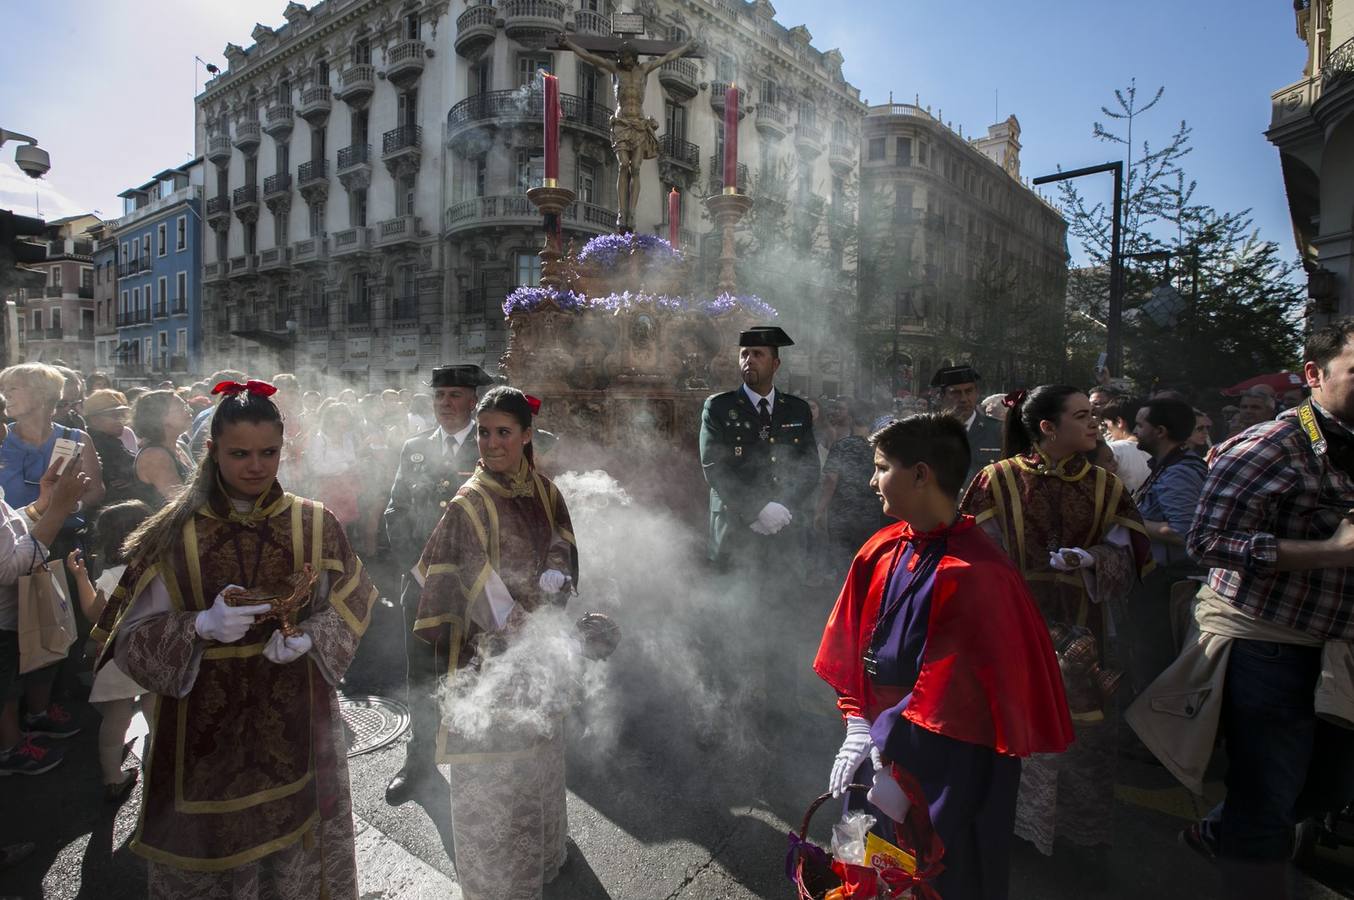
(608, 249)
(529, 299)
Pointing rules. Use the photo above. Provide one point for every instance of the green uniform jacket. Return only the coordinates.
(746, 471)
(424, 484)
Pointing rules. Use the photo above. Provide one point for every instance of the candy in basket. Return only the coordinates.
(864, 866)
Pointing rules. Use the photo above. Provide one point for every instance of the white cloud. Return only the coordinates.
(33, 196)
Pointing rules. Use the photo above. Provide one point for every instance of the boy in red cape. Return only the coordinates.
(941, 661)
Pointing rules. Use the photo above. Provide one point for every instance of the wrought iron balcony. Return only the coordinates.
(313, 170)
(218, 206)
(681, 77)
(275, 185)
(476, 29)
(84, 293)
(144, 264)
(514, 107)
(400, 139)
(160, 310)
(278, 122)
(247, 195)
(683, 153)
(356, 155)
(247, 135)
(404, 62)
(717, 176)
(179, 307)
(356, 84)
(533, 22)
(316, 102)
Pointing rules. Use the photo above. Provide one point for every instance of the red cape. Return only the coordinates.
(989, 675)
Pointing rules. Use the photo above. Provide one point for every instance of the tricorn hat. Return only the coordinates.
(950, 375)
(764, 336)
(460, 376)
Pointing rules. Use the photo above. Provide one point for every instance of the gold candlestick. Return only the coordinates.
(551, 200)
(728, 209)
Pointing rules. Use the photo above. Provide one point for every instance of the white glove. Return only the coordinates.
(553, 581)
(773, 517)
(227, 624)
(281, 649)
(854, 751)
(1084, 559)
(887, 794)
(758, 527)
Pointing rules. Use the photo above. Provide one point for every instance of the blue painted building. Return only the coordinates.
(159, 286)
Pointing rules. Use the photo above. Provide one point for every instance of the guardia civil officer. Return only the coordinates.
(959, 397)
(758, 453)
(433, 466)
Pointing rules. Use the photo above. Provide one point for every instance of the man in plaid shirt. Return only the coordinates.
(1275, 524)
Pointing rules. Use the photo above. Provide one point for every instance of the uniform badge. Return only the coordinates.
(416, 457)
(764, 433)
(733, 414)
(737, 451)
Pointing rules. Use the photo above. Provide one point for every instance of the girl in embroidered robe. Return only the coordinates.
(504, 547)
(245, 778)
(941, 662)
(1073, 531)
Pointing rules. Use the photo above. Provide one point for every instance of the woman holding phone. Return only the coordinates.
(34, 391)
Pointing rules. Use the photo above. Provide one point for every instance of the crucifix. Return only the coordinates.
(634, 136)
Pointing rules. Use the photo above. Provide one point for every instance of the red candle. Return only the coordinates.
(551, 131)
(674, 218)
(731, 139)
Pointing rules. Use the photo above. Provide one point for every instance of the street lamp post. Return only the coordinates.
(1114, 338)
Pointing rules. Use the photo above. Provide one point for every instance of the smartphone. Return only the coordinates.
(63, 452)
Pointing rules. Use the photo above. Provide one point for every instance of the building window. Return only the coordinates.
(528, 268)
(530, 169)
(145, 246)
(808, 114)
(481, 175)
(407, 107)
(181, 233)
(839, 133)
(136, 300)
(251, 231)
(674, 119)
(160, 232)
(529, 63)
(904, 151)
(280, 228)
(322, 73)
(876, 148)
(160, 308)
(162, 338)
(145, 351)
(56, 276)
(316, 219)
(86, 277)
(56, 318)
(126, 305)
(357, 209)
(37, 320)
(769, 92)
(181, 342)
(404, 196)
(125, 255)
(921, 153)
(362, 52)
(181, 293)
(726, 68)
(587, 180)
(411, 25)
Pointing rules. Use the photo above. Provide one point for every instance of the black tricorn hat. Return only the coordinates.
(955, 375)
(765, 336)
(459, 376)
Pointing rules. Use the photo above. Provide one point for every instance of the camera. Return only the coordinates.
(33, 160)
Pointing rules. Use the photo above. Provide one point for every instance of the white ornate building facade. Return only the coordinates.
(1312, 125)
(369, 160)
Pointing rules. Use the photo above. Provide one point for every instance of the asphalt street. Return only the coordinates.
(676, 803)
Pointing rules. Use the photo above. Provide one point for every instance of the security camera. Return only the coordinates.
(33, 160)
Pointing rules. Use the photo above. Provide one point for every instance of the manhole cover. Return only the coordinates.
(371, 722)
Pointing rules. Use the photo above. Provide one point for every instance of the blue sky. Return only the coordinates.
(107, 86)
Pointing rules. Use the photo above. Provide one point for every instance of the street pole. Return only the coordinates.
(1114, 347)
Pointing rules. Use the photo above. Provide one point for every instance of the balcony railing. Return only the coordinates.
(277, 184)
(532, 20)
(160, 311)
(86, 333)
(352, 240)
(589, 22)
(717, 91)
(309, 250)
(476, 28)
(51, 290)
(278, 120)
(404, 61)
(218, 148)
(680, 76)
(515, 106)
(357, 82)
(52, 334)
(397, 230)
(314, 170)
(679, 151)
(179, 307)
(1339, 64)
(247, 194)
(247, 134)
(356, 155)
(218, 205)
(145, 264)
(315, 102)
(85, 293)
(404, 137)
(516, 209)
(717, 176)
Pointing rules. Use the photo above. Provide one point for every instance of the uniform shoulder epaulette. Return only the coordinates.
(421, 435)
(713, 398)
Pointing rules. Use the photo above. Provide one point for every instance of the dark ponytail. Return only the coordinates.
(1046, 402)
(509, 400)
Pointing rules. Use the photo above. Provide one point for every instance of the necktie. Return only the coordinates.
(449, 446)
(764, 411)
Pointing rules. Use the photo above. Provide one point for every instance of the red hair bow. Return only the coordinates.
(1013, 399)
(231, 388)
(534, 403)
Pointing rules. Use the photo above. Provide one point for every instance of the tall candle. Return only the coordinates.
(674, 218)
(551, 131)
(731, 139)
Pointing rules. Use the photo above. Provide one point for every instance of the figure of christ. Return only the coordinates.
(634, 135)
